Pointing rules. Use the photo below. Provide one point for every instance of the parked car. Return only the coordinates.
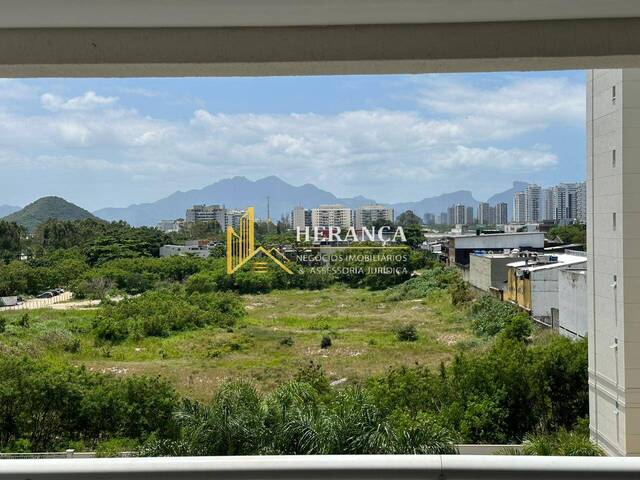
(46, 295)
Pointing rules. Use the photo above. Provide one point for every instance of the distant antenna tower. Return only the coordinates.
(268, 209)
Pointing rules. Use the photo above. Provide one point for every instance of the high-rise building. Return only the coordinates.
(613, 289)
(203, 213)
(487, 215)
(581, 202)
(331, 216)
(532, 203)
(519, 209)
(565, 202)
(548, 210)
(502, 213)
(468, 216)
(232, 218)
(443, 218)
(429, 219)
(300, 218)
(370, 215)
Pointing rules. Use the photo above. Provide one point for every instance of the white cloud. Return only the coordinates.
(88, 101)
(463, 131)
(520, 104)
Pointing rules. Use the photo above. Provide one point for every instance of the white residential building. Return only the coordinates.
(368, 215)
(300, 218)
(532, 203)
(519, 209)
(613, 275)
(171, 226)
(203, 213)
(232, 218)
(548, 211)
(331, 215)
(502, 213)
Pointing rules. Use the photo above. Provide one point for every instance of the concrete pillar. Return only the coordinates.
(613, 236)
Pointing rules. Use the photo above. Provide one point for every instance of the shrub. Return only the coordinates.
(434, 279)
(490, 315)
(286, 341)
(160, 313)
(407, 333)
(24, 321)
(325, 342)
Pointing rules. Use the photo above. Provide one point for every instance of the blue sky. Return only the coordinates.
(113, 142)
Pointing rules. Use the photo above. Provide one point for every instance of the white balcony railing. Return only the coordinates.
(378, 467)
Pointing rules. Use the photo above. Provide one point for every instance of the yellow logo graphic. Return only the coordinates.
(241, 248)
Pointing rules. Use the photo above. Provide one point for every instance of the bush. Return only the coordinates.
(434, 279)
(160, 313)
(45, 407)
(114, 447)
(325, 342)
(490, 315)
(286, 342)
(407, 333)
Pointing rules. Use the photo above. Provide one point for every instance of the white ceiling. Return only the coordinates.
(224, 13)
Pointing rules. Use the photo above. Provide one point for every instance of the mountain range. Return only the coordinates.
(240, 192)
(8, 210)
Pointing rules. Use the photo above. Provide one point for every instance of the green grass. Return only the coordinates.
(361, 325)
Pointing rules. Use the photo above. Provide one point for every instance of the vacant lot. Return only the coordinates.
(281, 333)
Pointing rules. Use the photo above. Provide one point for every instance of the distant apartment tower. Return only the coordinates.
(581, 202)
(486, 214)
(457, 214)
(532, 202)
(548, 210)
(203, 213)
(564, 201)
(468, 216)
(232, 218)
(443, 219)
(369, 215)
(519, 209)
(300, 218)
(331, 215)
(502, 213)
(429, 219)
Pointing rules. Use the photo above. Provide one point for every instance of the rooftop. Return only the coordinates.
(563, 260)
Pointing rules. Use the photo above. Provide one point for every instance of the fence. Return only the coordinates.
(39, 302)
(58, 455)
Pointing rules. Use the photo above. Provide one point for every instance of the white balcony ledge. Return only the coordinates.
(379, 467)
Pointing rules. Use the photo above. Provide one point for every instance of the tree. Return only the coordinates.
(407, 218)
(576, 233)
(11, 236)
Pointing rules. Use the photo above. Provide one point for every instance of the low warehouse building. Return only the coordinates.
(488, 271)
(532, 283)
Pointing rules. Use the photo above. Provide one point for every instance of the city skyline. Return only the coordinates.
(393, 138)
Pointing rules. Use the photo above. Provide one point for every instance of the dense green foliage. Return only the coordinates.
(490, 315)
(46, 407)
(161, 312)
(10, 237)
(47, 208)
(432, 280)
(502, 395)
(576, 233)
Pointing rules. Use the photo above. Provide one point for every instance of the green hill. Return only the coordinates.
(47, 208)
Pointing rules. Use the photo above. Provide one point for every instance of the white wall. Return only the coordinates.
(572, 297)
(613, 279)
